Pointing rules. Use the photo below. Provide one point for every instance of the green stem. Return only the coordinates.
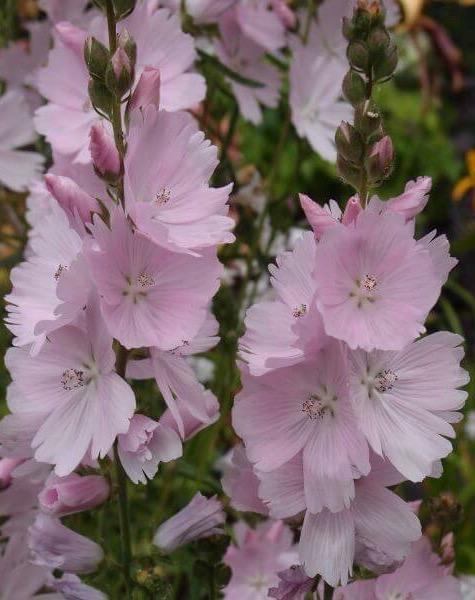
(327, 591)
(230, 133)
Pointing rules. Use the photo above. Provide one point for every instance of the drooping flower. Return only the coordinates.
(202, 517)
(73, 381)
(145, 445)
(421, 576)
(149, 295)
(375, 283)
(257, 558)
(377, 527)
(55, 546)
(70, 586)
(168, 196)
(305, 407)
(71, 494)
(18, 168)
(401, 400)
(285, 331)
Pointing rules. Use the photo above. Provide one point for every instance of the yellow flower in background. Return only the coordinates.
(468, 182)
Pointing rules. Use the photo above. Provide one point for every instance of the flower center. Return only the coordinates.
(144, 280)
(364, 289)
(385, 380)
(368, 283)
(60, 270)
(163, 196)
(300, 311)
(316, 406)
(72, 379)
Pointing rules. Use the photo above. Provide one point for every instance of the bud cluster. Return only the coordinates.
(365, 153)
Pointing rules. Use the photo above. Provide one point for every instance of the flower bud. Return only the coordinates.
(72, 199)
(354, 87)
(380, 160)
(349, 143)
(127, 43)
(72, 494)
(386, 66)
(319, 218)
(284, 12)
(147, 91)
(101, 97)
(7, 466)
(72, 37)
(119, 73)
(358, 55)
(367, 119)
(348, 172)
(123, 8)
(352, 210)
(378, 40)
(96, 57)
(105, 156)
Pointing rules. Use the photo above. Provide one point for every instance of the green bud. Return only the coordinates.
(127, 42)
(347, 29)
(367, 119)
(358, 56)
(101, 97)
(378, 40)
(349, 143)
(380, 161)
(386, 66)
(354, 87)
(119, 73)
(96, 57)
(123, 8)
(348, 172)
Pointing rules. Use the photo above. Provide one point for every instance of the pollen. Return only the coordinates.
(314, 407)
(72, 379)
(145, 280)
(300, 311)
(60, 270)
(163, 196)
(368, 283)
(385, 380)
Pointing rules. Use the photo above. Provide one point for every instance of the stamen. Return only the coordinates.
(72, 379)
(60, 270)
(369, 282)
(300, 311)
(145, 280)
(385, 380)
(163, 196)
(314, 407)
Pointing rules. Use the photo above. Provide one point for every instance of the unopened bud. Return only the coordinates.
(72, 494)
(119, 73)
(72, 37)
(358, 55)
(367, 119)
(354, 87)
(126, 41)
(349, 143)
(446, 509)
(380, 160)
(101, 97)
(105, 156)
(347, 29)
(72, 199)
(348, 172)
(147, 90)
(387, 64)
(378, 40)
(96, 57)
(352, 210)
(123, 8)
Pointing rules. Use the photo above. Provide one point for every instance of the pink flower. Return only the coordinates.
(64, 10)
(104, 154)
(377, 524)
(20, 499)
(246, 58)
(257, 558)
(259, 24)
(323, 218)
(315, 90)
(75, 202)
(55, 546)
(168, 196)
(202, 517)
(204, 11)
(421, 576)
(294, 584)
(147, 90)
(73, 380)
(401, 400)
(284, 12)
(305, 407)
(410, 203)
(375, 283)
(18, 168)
(71, 494)
(7, 466)
(240, 482)
(149, 296)
(34, 298)
(145, 445)
(285, 331)
(70, 586)
(18, 577)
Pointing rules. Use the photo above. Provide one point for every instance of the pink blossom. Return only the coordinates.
(240, 482)
(70, 586)
(55, 546)
(20, 499)
(19, 579)
(204, 11)
(18, 429)
(246, 58)
(410, 203)
(305, 407)
(64, 10)
(147, 90)
(375, 283)
(284, 12)
(257, 558)
(72, 379)
(285, 331)
(104, 154)
(323, 218)
(145, 445)
(73, 200)
(149, 296)
(7, 466)
(421, 576)
(71, 494)
(315, 90)
(18, 168)
(259, 24)
(401, 398)
(377, 525)
(202, 517)
(168, 196)
(294, 584)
